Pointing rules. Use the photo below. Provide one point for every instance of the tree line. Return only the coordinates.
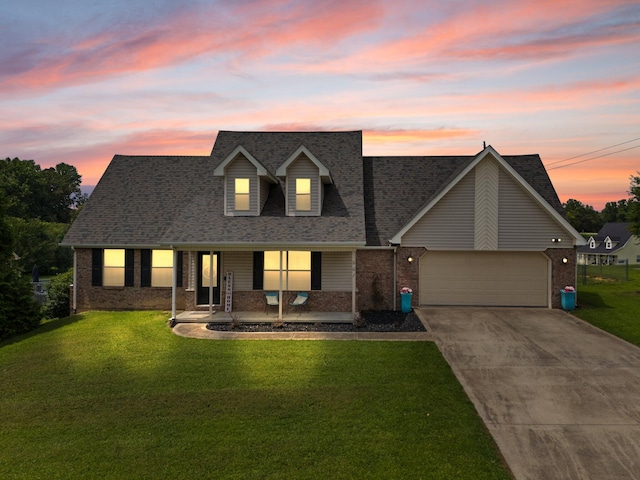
(585, 218)
(37, 207)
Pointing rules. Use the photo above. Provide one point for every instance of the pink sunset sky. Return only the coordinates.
(81, 81)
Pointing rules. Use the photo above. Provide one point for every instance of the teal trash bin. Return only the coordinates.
(568, 300)
(406, 302)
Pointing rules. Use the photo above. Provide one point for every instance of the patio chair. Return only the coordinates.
(300, 302)
(270, 300)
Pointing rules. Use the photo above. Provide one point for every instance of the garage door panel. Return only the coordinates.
(484, 278)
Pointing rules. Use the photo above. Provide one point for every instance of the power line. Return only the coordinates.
(595, 151)
(593, 158)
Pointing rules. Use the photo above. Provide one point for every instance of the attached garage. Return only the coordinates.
(473, 278)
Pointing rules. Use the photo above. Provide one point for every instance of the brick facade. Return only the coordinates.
(562, 274)
(121, 298)
(159, 298)
(374, 279)
(374, 283)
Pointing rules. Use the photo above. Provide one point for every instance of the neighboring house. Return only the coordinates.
(305, 211)
(613, 244)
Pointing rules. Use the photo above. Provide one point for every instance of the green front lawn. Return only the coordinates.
(117, 395)
(613, 305)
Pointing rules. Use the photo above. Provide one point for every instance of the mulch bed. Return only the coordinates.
(378, 321)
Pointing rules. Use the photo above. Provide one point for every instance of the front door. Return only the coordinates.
(208, 278)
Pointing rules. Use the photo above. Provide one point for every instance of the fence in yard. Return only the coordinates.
(40, 291)
(589, 274)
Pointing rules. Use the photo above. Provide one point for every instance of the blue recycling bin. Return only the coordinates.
(568, 300)
(406, 302)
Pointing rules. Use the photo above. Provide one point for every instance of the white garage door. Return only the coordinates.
(484, 278)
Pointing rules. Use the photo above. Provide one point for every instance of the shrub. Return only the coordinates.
(19, 312)
(58, 296)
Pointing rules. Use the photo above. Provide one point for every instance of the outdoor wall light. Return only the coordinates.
(409, 259)
(565, 260)
(556, 240)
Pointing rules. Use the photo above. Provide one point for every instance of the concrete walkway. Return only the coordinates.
(560, 397)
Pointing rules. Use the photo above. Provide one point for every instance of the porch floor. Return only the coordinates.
(261, 317)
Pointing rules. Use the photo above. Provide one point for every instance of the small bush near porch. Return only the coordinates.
(117, 395)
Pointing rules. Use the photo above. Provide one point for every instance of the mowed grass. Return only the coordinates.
(613, 305)
(118, 395)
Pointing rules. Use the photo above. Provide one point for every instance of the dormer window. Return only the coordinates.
(242, 194)
(608, 244)
(246, 183)
(303, 194)
(305, 178)
(592, 243)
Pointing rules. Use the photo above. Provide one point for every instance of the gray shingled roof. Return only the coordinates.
(177, 200)
(617, 231)
(170, 200)
(396, 188)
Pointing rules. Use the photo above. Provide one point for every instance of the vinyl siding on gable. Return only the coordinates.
(523, 223)
(449, 224)
(302, 167)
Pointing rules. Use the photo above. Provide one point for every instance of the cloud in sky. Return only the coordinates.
(81, 81)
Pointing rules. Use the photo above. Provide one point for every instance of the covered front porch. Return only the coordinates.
(234, 281)
(262, 317)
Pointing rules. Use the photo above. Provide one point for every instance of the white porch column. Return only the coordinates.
(211, 283)
(353, 284)
(280, 291)
(174, 284)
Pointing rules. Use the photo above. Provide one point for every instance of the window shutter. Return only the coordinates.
(316, 270)
(145, 267)
(96, 267)
(258, 270)
(128, 268)
(179, 267)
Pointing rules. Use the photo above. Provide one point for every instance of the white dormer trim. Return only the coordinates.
(489, 150)
(324, 173)
(592, 243)
(608, 244)
(219, 171)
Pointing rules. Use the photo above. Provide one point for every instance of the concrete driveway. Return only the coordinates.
(560, 397)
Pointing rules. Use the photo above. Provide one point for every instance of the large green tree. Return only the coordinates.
(19, 312)
(41, 205)
(633, 210)
(582, 217)
(51, 195)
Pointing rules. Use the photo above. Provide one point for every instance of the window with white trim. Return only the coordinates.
(608, 244)
(242, 194)
(113, 267)
(296, 270)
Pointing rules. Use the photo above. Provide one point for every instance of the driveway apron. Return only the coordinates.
(560, 397)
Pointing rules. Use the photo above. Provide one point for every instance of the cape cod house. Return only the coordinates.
(613, 244)
(305, 211)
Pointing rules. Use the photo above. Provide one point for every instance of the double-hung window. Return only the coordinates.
(242, 194)
(303, 194)
(113, 268)
(162, 268)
